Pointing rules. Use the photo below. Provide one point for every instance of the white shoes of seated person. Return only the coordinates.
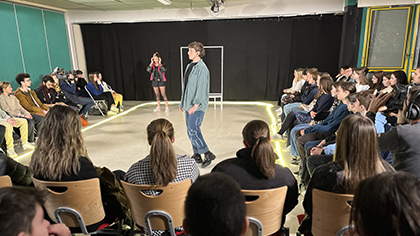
(114, 109)
(28, 146)
(11, 153)
(111, 113)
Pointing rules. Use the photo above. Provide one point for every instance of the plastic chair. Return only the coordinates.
(5, 181)
(330, 212)
(162, 212)
(265, 213)
(97, 102)
(78, 205)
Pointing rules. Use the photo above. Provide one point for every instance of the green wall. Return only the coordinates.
(33, 41)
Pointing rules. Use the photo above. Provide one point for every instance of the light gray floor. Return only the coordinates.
(121, 141)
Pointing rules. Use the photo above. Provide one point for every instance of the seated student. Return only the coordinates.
(415, 79)
(215, 205)
(97, 91)
(402, 140)
(118, 98)
(362, 84)
(298, 82)
(330, 124)
(307, 96)
(81, 84)
(342, 74)
(387, 204)
(60, 155)
(162, 166)
(377, 84)
(20, 123)
(28, 98)
(254, 167)
(68, 86)
(47, 94)
(21, 213)
(356, 158)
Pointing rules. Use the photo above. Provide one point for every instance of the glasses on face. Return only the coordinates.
(27, 80)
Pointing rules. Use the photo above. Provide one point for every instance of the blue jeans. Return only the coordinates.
(87, 103)
(291, 107)
(293, 148)
(194, 131)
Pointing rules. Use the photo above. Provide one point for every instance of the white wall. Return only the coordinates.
(373, 3)
(263, 8)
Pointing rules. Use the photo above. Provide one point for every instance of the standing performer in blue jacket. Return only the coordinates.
(194, 101)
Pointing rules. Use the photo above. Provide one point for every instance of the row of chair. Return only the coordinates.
(81, 204)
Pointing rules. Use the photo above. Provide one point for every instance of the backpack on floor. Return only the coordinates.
(94, 111)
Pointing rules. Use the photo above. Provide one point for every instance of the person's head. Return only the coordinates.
(387, 204)
(156, 57)
(362, 103)
(56, 81)
(334, 88)
(93, 78)
(386, 79)
(298, 73)
(357, 150)
(350, 101)
(59, 145)
(161, 135)
(416, 76)
(324, 86)
(79, 73)
(343, 69)
(412, 105)
(23, 79)
(312, 75)
(196, 50)
(360, 76)
(5, 87)
(377, 78)
(47, 81)
(256, 135)
(305, 74)
(215, 205)
(399, 77)
(21, 212)
(344, 88)
(349, 72)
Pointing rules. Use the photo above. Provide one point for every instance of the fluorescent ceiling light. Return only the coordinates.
(165, 2)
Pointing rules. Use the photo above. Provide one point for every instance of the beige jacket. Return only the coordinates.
(11, 105)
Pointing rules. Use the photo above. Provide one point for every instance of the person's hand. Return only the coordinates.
(311, 123)
(321, 143)
(180, 108)
(313, 114)
(302, 132)
(114, 92)
(192, 109)
(160, 60)
(293, 91)
(393, 114)
(59, 230)
(11, 121)
(292, 96)
(284, 90)
(28, 116)
(151, 60)
(316, 151)
(379, 102)
(45, 111)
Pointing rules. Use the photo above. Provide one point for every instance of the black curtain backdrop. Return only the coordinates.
(259, 54)
(350, 37)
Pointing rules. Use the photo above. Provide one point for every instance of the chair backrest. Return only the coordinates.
(266, 208)
(5, 181)
(83, 196)
(330, 212)
(171, 201)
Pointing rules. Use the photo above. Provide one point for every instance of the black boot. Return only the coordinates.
(197, 158)
(208, 157)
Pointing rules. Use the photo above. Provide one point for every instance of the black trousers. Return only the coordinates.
(107, 96)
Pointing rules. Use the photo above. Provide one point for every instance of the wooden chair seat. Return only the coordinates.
(5, 181)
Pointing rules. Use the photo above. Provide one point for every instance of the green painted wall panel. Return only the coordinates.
(57, 40)
(34, 44)
(10, 56)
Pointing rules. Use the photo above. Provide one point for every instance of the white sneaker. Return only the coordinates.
(111, 113)
(279, 111)
(27, 146)
(277, 137)
(11, 153)
(114, 109)
(167, 109)
(157, 109)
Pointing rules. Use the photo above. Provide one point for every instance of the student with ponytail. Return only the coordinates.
(254, 166)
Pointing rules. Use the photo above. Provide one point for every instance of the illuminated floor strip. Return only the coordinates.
(267, 105)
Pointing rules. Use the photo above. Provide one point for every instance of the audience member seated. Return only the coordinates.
(402, 140)
(118, 98)
(362, 84)
(356, 158)
(415, 79)
(22, 124)
(307, 95)
(254, 167)
(28, 98)
(330, 124)
(20, 174)
(387, 204)
(68, 86)
(377, 84)
(348, 73)
(215, 205)
(297, 84)
(47, 94)
(342, 74)
(81, 83)
(97, 91)
(60, 155)
(162, 166)
(21, 213)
